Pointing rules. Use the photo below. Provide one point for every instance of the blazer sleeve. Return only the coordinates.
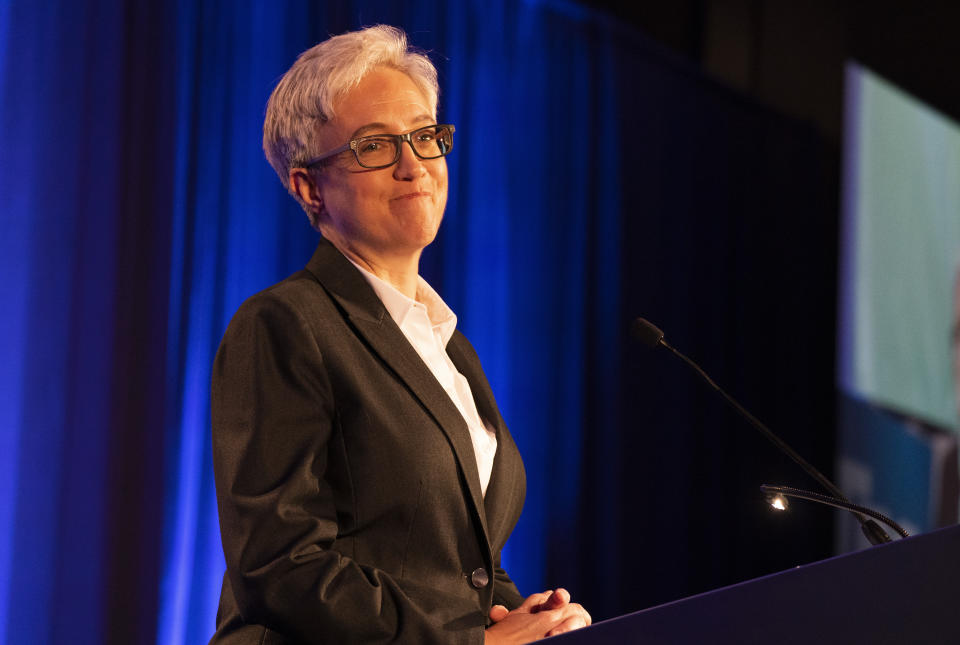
(505, 592)
(273, 417)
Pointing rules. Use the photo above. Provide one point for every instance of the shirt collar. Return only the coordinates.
(399, 306)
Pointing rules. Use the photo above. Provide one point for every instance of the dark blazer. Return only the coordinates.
(348, 493)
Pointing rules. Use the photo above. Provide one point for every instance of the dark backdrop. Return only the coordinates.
(597, 177)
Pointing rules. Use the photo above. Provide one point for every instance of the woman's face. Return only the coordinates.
(382, 213)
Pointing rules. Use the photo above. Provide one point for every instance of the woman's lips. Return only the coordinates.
(412, 195)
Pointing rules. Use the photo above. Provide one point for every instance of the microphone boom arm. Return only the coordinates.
(759, 425)
(842, 504)
(651, 335)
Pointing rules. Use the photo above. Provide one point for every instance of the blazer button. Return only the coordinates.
(479, 578)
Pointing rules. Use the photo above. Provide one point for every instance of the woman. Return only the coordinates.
(366, 482)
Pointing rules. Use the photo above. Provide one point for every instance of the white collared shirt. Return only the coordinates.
(428, 323)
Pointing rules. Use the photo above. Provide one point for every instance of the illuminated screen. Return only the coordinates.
(898, 311)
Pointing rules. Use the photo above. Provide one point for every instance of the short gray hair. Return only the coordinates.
(304, 98)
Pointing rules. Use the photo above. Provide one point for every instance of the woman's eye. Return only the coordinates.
(369, 146)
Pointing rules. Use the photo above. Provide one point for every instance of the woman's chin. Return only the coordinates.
(418, 228)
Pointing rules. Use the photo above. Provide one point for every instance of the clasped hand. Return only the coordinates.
(541, 615)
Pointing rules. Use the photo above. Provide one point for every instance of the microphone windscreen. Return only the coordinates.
(646, 332)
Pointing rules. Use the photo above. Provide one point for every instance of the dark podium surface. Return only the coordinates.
(905, 592)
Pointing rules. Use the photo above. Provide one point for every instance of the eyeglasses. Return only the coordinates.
(382, 150)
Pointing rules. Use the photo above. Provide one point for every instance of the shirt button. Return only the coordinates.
(479, 578)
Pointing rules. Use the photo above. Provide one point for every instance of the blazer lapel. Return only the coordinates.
(501, 479)
(467, 363)
(372, 321)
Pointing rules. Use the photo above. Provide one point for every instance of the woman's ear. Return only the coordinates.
(303, 187)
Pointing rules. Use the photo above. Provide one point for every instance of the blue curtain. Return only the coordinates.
(138, 213)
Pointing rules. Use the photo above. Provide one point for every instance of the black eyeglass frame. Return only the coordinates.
(353, 144)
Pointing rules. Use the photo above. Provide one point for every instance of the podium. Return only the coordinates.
(902, 592)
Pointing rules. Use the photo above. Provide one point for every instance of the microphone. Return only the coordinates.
(650, 335)
(646, 332)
